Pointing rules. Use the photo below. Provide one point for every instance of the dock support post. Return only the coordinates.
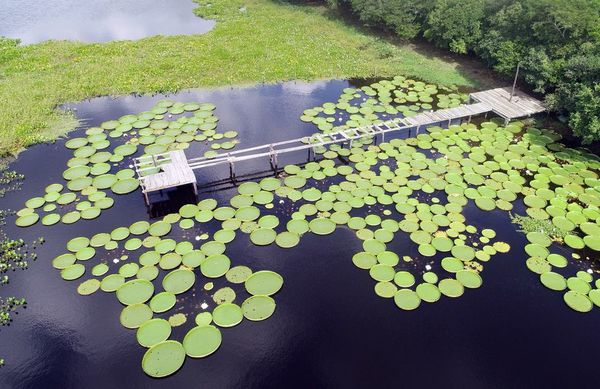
(231, 168)
(469, 119)
(146, 198)
(417, 130)
(273, 158)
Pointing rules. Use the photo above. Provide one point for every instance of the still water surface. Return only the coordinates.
(34, 21)
(329, 328)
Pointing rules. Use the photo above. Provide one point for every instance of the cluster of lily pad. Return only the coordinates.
(499, 166)
(149, 296)
(167, 126)
(382, 100)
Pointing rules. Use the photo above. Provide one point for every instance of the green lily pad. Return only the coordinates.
(227, 315)
(407, 299)
(88, 287)
(162, 302)
(264, 282)
(451, 288)
(133, 316)
(554, 281)
(258, 307)
(163, 359)
(578, 301)
(135, 292)
(202, 341)
(179, 281)
(153, 332)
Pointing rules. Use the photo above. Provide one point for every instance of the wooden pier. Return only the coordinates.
(173, 169)
(167, 170)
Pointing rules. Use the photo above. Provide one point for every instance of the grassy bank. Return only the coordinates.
(268, 41)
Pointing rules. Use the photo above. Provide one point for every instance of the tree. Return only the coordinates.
(455, 24)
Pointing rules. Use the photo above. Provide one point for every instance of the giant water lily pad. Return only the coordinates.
(227, 315)
(125, 186)
(264, 282)
(215, 266)
(258, 307)
(133, 316)
(202, 341)
(162, 302)
(179, 281)
(153, 332)
(578, 301)
(163, 359)
(407, 299)
(135, 292)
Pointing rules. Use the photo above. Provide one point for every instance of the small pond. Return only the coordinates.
(329, 328)
(35, 21)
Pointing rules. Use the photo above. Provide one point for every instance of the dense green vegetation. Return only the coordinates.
(556, 41)
(266, 42)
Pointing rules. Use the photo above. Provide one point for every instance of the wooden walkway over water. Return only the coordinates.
(173, 169)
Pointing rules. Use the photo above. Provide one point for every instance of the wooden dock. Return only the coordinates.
(173, 169)
(500, 102)
(167, 170)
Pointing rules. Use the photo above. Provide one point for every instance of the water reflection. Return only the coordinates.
(34, 21)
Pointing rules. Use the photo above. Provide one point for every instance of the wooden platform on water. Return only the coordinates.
(173, 168)
(501, 103)
(175, 172)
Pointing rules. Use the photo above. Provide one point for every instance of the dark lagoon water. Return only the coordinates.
(329, 328)
(34, 21)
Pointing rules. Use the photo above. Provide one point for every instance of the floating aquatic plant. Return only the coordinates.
(88, 177)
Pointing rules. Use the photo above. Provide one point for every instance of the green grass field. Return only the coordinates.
(269, 42)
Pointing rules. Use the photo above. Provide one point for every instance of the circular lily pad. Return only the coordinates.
(133, 316)
(162, 302)
(264, 282)
(385, 289)
(224, 295)
(163, 359)
(72, 272)
(112, 282)
(153, 332)
(135, 292)
(263, 236)
(428, 292)
(321, 226)
(202, 341)
(179, 281)
(238, 274)
(554, 281)
(469, 278)
(88, 287)
(125, 186)
(258, 307)
(27, 220)
(407, 299)
(227, 315)
(215, 266)
(578, 301)
(159, 228)
(287, 239)
(451, 287)
(203, 319)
